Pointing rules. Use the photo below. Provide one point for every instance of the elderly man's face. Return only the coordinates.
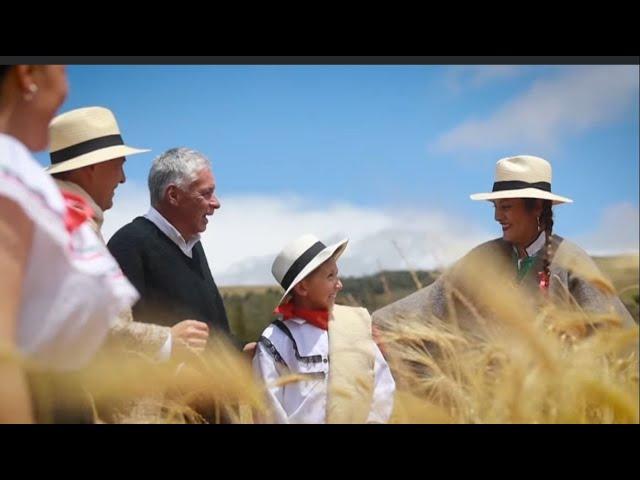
(198, 202)
(108, 175)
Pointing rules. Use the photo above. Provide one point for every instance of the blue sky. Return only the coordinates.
(385, 155)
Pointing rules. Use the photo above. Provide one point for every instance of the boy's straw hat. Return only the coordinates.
(301, 257)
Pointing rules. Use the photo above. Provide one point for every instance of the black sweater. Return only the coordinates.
(172, 286)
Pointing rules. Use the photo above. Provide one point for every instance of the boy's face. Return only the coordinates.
(318, 290)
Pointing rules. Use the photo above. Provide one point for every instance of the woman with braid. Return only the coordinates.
(529, 255)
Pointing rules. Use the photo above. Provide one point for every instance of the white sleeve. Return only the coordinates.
(265, 369)
(383, 391)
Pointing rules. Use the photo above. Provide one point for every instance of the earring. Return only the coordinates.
(33, 89)
(538, 220)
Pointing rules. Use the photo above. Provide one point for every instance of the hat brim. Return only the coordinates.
(522, 193)
(336, 249)
(97, 156)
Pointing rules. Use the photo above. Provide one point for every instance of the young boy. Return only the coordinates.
(341, 375)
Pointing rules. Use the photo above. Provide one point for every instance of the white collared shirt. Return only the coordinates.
(535, 247)
(305, 401)
(170, 231)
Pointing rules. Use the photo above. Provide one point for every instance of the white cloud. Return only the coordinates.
(244, 236)
(419, 241)
(616, 232)
(575, 100)
(460, 78)
(130, 201)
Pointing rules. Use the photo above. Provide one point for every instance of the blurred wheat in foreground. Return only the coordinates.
(524, 365)
(531, 375)
(523, 362)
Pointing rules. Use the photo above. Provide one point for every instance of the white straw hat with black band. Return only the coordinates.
(523, 176)
(85, 136)
(301, 257)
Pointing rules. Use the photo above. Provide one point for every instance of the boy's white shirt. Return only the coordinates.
(305, 401)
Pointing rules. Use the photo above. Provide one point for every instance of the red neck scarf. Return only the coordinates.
(317, 318)
(77, 211)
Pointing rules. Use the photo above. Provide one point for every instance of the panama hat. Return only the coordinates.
(301, 257)
(524, 176)
(83, 137)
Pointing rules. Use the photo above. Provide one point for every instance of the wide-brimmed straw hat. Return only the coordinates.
(524, 176)
(83, 137)
(301, 257)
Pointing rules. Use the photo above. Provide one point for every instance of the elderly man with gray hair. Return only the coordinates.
(161, 254)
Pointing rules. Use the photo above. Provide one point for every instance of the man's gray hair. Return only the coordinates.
(177, 166)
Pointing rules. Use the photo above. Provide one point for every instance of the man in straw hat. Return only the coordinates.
(87, 158)
(345, 377)
(528, 254)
